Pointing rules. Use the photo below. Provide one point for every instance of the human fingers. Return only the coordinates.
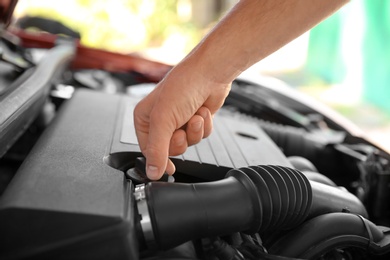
(205, 113)
(170, 167)
(154, 133)
(178, 144)
(141, 117)
(157, 149)
(194, 129)
(142, 129)
(198, 127)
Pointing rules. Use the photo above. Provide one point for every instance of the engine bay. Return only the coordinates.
(279, 178)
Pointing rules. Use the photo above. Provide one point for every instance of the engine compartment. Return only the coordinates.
(279, 178)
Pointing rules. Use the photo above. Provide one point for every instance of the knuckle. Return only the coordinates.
(177, 150)
(153, 152)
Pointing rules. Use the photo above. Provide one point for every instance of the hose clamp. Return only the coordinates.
(143, 211)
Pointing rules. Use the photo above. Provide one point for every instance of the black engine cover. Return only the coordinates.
(71, 198)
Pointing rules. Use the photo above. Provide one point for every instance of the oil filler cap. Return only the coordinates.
(138, 173)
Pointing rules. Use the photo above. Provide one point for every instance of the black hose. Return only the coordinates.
(292, 140)
(316, 146)
(335, 230)
(250, 199)
(285, 195)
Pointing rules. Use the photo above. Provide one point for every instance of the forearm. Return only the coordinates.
(179, 110)
(252, 30)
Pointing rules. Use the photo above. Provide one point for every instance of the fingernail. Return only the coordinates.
(196, 126)
(152, 172)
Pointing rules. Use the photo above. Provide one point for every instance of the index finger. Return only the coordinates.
(157, 144)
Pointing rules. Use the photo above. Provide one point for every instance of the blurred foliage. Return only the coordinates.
(118, 25)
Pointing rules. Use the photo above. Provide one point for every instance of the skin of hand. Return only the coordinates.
(180, 109)
(178, 112)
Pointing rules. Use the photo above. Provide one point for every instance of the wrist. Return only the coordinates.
(209, 65)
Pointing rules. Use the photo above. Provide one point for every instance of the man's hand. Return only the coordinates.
(178, 113)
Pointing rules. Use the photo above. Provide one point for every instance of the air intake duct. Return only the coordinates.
(250, 199)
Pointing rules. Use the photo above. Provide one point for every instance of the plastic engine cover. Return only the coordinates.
(67, 202)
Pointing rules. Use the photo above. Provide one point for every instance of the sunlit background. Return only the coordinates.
(343, 62)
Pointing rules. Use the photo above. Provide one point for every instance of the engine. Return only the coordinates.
(277, 179)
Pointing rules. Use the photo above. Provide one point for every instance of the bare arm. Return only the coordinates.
(254, 29)
(178, 112)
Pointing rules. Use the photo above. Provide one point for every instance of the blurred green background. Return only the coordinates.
(343, 62)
